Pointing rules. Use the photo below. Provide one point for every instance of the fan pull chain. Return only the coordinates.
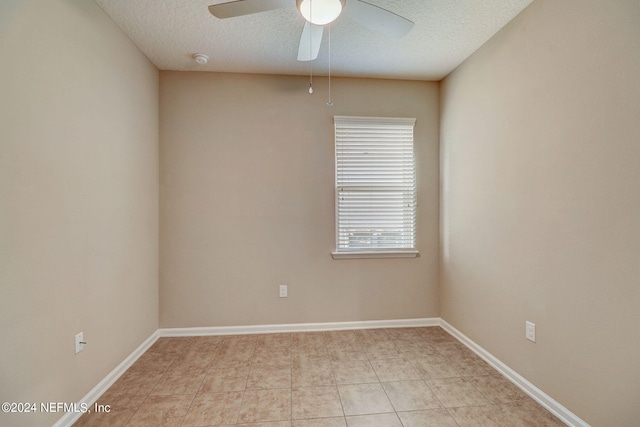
(310, 48)
(330, 103)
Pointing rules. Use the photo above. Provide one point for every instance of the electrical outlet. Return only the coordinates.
(531, 331)
(80, 342)
(283, 291)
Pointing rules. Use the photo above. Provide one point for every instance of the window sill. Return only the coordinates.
(377, 254)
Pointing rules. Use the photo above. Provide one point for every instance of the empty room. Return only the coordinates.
(320, 213)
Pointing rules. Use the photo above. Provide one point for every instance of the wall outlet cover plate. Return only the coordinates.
(79, 342)
(531, 331)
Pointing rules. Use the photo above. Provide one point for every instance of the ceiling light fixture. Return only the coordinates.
(320, 12)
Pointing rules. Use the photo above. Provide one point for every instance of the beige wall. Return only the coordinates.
(247, 202)
(78, 201)
(541, 202)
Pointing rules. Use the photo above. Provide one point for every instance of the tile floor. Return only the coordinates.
(405, 377)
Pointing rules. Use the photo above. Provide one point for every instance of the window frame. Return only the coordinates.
(371, 252)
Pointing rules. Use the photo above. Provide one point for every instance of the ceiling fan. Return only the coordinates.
(318, 13)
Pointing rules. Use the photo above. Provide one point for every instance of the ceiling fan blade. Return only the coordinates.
(377, 19)
(247, 7)
(310, 42)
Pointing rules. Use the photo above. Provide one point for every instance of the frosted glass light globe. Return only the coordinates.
(320, 12)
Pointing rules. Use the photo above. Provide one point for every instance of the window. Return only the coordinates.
(375, 187)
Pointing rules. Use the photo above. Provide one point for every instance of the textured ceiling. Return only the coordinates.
(445, 33)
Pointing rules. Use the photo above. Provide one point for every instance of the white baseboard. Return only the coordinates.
(534, 392)
(297, 327)
(90, 398)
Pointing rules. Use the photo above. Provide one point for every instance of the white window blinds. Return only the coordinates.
(375, 185)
